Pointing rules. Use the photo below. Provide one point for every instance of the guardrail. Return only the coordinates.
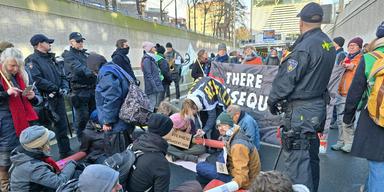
(137, 16)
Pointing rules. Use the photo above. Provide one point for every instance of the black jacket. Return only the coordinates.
(75, 62)
(197, 71)
(46, 72)
(272, 60)
(152, 168)
(368, 140)
(306, 71)
(92, 142)
(122, 60)
(164, 68)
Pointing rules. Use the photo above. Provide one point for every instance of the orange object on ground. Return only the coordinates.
(209, 143)
(215, 183)
(75, 157)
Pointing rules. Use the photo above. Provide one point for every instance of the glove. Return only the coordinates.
(273, 109)
(63, 92)
(137, 82)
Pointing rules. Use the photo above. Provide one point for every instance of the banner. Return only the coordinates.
(249, 87)
(190, 57)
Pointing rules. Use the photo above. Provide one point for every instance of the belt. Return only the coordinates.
(297, 103)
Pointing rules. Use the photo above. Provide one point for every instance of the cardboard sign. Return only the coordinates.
(180, 139)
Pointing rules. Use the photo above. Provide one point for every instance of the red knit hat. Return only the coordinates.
(357, 40)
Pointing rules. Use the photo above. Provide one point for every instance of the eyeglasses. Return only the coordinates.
(352, 45)
(79, 41)
(220, 126)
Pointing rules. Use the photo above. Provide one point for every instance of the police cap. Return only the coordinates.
(76, 36)
(38, 38)
(311, 13)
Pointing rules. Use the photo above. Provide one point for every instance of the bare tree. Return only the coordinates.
(207, 8)
(189, 7)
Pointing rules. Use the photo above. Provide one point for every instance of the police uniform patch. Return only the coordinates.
(30, 65)
(292, 64)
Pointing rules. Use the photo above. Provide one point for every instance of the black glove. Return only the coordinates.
(137, 82)
(63, 92)
(273, 109)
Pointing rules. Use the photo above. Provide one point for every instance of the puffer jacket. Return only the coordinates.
(243, 158)
(28, 173)
(111, 91)
(348, 75)
(152, 78)
(8, 138)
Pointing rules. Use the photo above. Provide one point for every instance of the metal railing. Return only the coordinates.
(101, 6)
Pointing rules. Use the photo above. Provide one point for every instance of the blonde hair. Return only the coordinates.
(233, 109)
(187, 106)
(14, 54)
(46, 147)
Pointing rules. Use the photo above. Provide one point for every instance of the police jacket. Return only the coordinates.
(75, 62)
(305, 73)
(46, 72)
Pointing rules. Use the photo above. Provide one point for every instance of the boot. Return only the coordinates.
(4, 178)
(192, 158)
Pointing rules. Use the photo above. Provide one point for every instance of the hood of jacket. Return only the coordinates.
(24, 154)
(150, 142)
(240, 134)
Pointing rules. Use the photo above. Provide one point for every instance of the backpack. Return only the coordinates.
(136, 107)
(69, 186)
(375, 99)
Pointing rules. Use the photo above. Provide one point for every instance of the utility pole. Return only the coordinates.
(233, 26)
(175, 12)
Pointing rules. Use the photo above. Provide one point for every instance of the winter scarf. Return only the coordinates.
(51, 163)
(222, 58)
(21, 109)
(249, 57)
(353, 56)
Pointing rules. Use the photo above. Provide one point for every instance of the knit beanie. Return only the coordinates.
(98, 177)
(380, 30)
(35, 136)
(4, 45)
(339, 40)
(169, 44)
(358, 41)
(224, 118)
(159, 124)
(95, 61)
(177, 121)
(160, 49)
(147, 46)
(223, 46)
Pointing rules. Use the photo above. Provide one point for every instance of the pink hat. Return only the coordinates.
(147, 46)
(177, 121)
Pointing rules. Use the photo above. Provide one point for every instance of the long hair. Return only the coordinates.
(187, 106)
(14, 54)
(46, 147)
(200, 55)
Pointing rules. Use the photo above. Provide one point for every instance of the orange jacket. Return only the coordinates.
(256, 61)
(346, 80)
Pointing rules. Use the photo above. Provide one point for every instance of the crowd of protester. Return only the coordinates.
(96, 89)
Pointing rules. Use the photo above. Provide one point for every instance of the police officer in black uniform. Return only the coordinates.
(83, 82)
(53, 86)
(302, 82)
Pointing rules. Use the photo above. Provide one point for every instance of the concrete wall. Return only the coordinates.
(21, 19)
(360, 19)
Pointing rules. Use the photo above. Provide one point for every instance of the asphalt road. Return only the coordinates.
(339, 171)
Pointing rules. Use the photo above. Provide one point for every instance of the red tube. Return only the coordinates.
(209, 143)
(75, 157)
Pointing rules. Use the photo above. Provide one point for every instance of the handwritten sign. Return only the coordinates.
(180, 139)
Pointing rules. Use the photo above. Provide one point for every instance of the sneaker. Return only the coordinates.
(167, 99)
(174, 158)
(334, 125)
(192, 158)
(177, 101)
(67, 154)
(336, 147)
(346, 149)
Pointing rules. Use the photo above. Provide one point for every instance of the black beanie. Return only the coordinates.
(159, 124)
(339, 41)
(160, 49)
(169, 44)
(95, 61)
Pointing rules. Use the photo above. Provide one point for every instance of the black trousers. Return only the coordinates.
(87, 105)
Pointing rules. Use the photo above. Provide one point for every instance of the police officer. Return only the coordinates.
(53, 86)
(302, 81)
(82, 80)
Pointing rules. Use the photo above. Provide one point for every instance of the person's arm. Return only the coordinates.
(147, 70)
(287, 78)
(353, 99)
(195, 70)
(44, 176)
(240, 160)
(3, 94)
(111, 93)
(41, 82)
(164, 67)
(74, 66)
(162, 178)
(211, 121)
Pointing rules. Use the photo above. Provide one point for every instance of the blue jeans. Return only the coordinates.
(209, 171)
(375, 180)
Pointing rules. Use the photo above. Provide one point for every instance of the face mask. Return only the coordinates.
(273, 55)
(125, 50)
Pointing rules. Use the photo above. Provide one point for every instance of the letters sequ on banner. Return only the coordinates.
(249, 87)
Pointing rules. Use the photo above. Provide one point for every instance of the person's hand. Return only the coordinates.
(220, 138)
(107, 128)
(349, 66)
(205, 75)
(200, 133)
(30, 95)
(14, 90)
(273, 109)
(63, 92)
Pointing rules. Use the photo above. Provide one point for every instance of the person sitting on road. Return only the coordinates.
(167, 109)
(92, 142)
(243, 162)
(194, 150)
(32, 169)
(246, 122)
